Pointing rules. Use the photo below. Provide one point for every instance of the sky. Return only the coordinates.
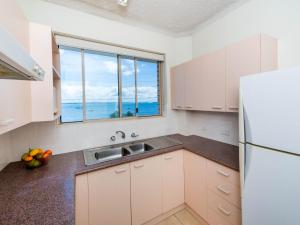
(101, 78)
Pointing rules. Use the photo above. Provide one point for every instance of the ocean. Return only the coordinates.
(73, 112)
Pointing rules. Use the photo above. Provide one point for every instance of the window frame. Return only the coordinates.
(160, 71)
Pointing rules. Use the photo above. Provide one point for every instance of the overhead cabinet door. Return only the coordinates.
(213, 76)
(178, 86)
(205, 82)
(243, 59)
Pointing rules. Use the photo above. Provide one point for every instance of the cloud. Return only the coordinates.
(97, 66)
(71, 93)
(147, 94)
(101, 94)
(107, 94)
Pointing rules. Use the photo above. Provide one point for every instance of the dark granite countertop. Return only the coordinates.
(45, 196)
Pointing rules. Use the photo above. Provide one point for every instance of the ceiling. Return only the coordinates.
(172, 16)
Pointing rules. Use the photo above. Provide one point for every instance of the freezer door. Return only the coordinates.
(271, 109)
(272, 188)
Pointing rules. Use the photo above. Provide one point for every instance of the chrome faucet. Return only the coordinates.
(134, 135)
(123, 135)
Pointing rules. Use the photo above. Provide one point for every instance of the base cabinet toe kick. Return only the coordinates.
(137, 192)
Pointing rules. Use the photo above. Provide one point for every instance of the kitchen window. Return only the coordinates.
(97, 85)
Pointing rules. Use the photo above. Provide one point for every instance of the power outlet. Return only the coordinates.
(225, 133)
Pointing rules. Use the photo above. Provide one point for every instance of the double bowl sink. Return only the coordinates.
(103, 154)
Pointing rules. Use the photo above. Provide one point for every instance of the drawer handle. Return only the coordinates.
(220, 188)
(138, 165)
(223, 173)
(168, 157)
(178, 106)
(233, 108)
(120, 171)
(226, 212)
(217, 107)
(189, 107)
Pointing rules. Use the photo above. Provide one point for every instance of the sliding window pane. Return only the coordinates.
(101, 85)
(128, 87)
(148, 88)
(71, 85)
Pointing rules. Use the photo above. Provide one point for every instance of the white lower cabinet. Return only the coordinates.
(195, 183)
(146, 189)
(137, 192)
(173, 180)
(81, 200)
(109, 196)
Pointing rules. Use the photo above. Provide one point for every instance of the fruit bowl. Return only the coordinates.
(36, 157)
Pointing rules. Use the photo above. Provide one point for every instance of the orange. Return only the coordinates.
(28, 158)
(49, 151)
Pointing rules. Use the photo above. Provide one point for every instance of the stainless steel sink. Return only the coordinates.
(97, 155)
(111, 153)
(103, 154)
(139, 147)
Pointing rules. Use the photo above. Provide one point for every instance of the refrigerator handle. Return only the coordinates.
(242, 166)
(241, 119)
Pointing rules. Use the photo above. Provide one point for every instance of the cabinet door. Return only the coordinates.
(173, 180)
(82, 200)
(42, 92)
(178, 87)
(195, 183)
(14, 21)
(205, 82)
(213, 81)
(14, 95)
(243, 58)
(193, 91)
(146, 189)
(269, 55)
(109, 196)
(15, 104)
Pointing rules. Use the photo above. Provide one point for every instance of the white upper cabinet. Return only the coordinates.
(205, 89)
(243, 58)
(14, 21)
(211, 81)
(250, 56)
(45, 95)
(14, 94)
(178, 87)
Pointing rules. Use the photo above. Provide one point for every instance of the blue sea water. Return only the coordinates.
(73, 112)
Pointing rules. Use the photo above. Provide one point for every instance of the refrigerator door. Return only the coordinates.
(271, 109)
(272, 187)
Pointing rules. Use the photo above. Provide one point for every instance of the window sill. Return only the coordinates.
(110, 120)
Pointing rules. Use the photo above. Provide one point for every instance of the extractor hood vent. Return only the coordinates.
(15, 62)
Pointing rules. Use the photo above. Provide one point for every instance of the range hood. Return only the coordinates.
(15, 62)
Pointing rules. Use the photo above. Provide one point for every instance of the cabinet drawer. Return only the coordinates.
(222, 173)
(226, 190)
(215, 219)
(226, 210)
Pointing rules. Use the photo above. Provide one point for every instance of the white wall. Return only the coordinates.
(280, 19)
(71, 137)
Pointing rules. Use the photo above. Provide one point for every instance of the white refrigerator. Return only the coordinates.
(269, 136)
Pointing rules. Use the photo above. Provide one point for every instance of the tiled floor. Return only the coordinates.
(182, 217)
